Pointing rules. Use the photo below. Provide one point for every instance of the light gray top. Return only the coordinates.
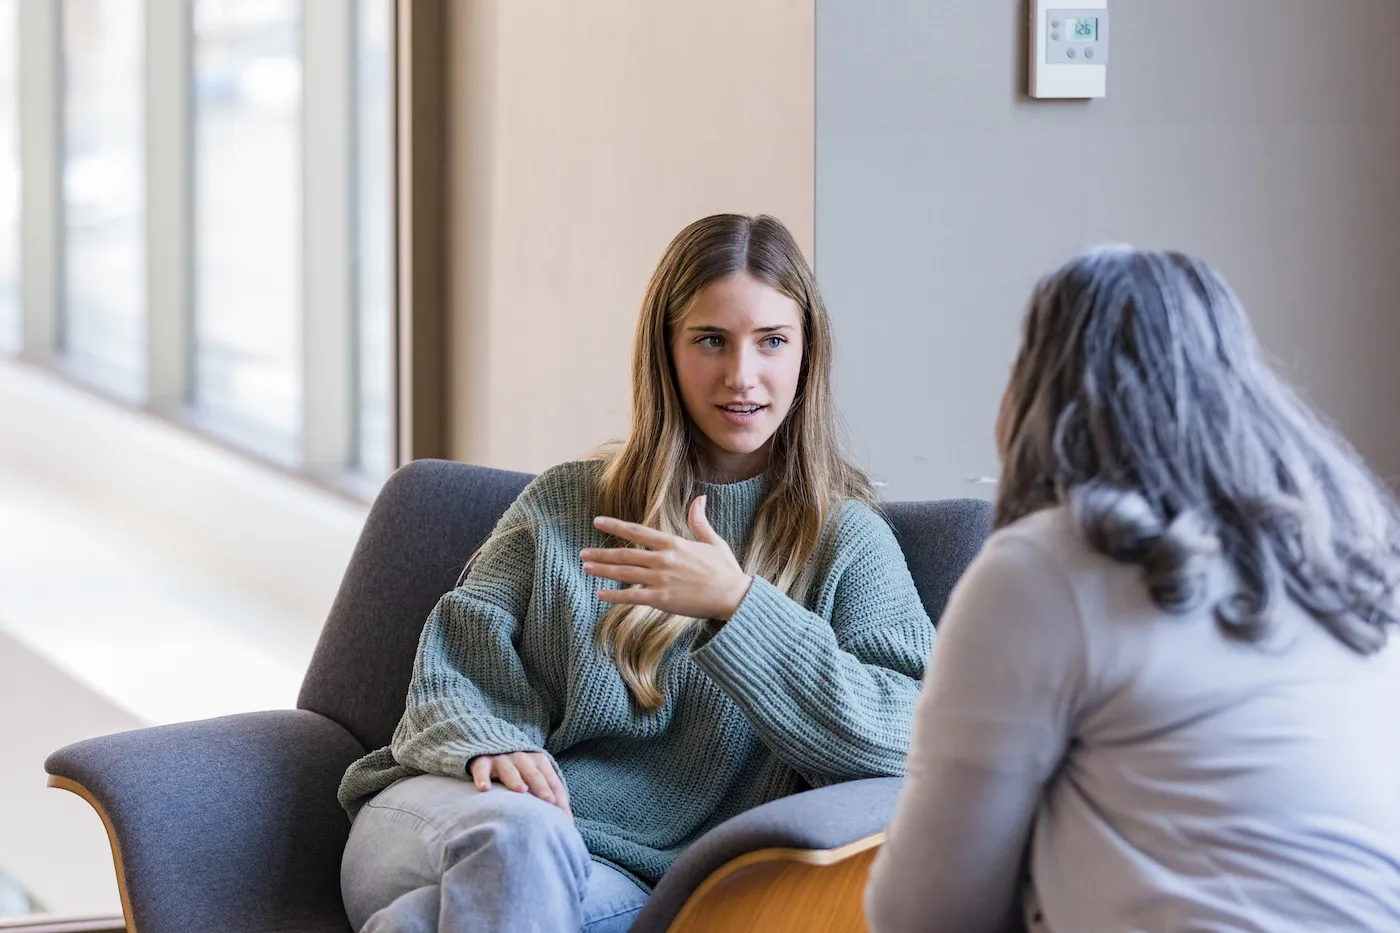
(1164, 777)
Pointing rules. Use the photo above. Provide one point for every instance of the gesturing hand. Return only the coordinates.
(697, 578)
(521, 772)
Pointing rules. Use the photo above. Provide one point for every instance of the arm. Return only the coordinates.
(469, 694)
(833, 699)
(991, 728)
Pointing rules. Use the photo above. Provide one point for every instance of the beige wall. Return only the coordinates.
(583, 137)
(1261, 134)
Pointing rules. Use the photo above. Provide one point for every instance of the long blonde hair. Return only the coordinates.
(652, 477)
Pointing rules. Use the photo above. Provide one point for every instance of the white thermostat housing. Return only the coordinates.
(1069, 48)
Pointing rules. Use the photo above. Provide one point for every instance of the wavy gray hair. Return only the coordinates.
(1141, 398)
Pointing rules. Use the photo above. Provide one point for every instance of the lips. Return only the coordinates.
(741, 414)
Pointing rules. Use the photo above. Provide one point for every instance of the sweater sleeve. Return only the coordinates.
(834, 699)
(469, 694)
(991, 728)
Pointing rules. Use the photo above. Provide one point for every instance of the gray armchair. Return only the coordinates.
(231, 824)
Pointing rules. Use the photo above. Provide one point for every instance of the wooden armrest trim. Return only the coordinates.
(73, 787)
(840, 866)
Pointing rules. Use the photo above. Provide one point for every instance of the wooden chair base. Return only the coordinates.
(73, 787)
(784, 891)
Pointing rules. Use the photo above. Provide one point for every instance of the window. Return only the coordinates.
(247, 171)
(374, 201)
(9, 176)
(219, 174)
(103, 334)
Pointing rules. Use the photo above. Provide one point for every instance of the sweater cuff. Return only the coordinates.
(748, 654)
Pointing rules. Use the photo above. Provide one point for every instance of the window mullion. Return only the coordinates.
(41, 164)
(169, 206)
(328, 398)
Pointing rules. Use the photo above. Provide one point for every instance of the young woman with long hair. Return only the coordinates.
(706, 618)
(1165, 694)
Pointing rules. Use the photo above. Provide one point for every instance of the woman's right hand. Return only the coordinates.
(531, 772)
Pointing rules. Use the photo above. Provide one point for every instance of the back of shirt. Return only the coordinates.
(1171, 778)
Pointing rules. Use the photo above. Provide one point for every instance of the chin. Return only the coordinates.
(743, 444)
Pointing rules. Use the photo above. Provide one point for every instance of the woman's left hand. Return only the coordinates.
(697, 578)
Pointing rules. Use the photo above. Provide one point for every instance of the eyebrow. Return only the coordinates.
(706, 329)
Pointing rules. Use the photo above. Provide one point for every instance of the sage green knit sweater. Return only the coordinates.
(781, 697)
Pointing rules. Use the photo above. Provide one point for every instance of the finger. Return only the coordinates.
(635, 556)
(631, 531)
(509, 775)
(622, 573)
(699, 524)
(556, 784)
(633, 597)
(534, 780)
(481, 772)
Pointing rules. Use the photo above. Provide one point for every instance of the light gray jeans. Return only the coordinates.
(433, 854)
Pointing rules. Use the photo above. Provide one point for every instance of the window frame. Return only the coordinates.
(328, 449)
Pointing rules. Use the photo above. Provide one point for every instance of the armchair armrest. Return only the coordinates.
(816, 828)
(224, 825)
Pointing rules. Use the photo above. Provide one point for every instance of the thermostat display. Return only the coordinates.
(1083, 30)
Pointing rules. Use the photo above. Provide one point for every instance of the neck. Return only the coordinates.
(721, 466)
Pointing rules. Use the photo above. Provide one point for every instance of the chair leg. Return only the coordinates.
(784, 891)
(73, 787)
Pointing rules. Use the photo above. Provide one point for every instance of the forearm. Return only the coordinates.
(442, 740)
(462, 703)
(830, 714)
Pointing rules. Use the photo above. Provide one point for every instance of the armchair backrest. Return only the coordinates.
(433, 514)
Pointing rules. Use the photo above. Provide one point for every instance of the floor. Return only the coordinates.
(102, 631)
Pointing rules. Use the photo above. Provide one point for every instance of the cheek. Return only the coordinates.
(784, 378)
(693, 376)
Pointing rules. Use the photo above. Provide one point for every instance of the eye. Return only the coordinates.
(772, 342)
(712, 341)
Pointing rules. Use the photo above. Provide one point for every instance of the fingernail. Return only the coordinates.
(599, 520)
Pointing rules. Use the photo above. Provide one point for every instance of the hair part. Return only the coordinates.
(1142, 400)
(654, 474)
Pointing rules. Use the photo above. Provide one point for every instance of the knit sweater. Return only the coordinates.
(779, 698)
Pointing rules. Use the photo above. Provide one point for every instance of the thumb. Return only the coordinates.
(699, 524)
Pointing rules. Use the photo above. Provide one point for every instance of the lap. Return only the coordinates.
(611, 901)
(401, 841)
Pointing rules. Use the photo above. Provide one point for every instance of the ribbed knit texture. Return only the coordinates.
(781, 697)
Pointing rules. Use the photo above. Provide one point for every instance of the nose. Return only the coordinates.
(742, 373)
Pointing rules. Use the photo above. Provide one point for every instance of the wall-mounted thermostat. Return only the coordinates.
(1069, 48)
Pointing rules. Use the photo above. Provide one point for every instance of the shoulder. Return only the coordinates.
(1049, 529)
(1040, 544)
(856, 528)
(564, 492)
(859, 539)
(1054, 538)
(548, 514)
(1034, 573)
(1021, 588)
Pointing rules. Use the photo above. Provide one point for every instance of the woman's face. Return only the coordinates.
(738, 355)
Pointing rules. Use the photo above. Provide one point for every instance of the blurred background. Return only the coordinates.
(255, 254)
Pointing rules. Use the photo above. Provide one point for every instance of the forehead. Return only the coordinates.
(741, 302)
